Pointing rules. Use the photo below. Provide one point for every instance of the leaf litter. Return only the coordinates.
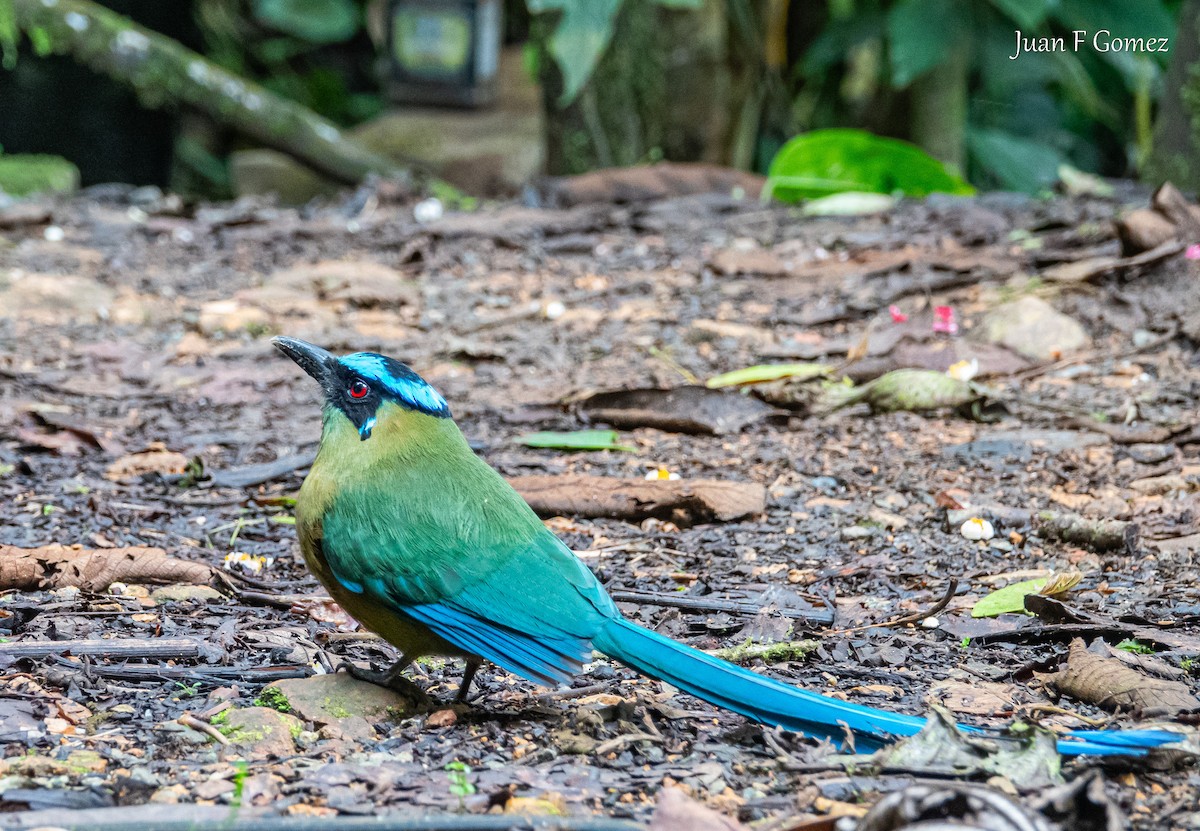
(844, 507)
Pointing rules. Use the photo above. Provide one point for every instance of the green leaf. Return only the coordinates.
(921, 34)
(577, 440)
(316, 21)
(767, 372)
(580, 38)
(1011, 598)
(1027, 14)
(1136, 647)
(1018, 163)
(8, 35)
(833, 161)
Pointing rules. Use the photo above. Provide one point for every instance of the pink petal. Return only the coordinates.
(1193, 252)
(897, 315)
(943, 320)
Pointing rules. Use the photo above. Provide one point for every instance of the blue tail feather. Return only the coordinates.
(772, 702)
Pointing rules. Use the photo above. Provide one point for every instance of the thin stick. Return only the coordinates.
(915, 617)
(704, 604)
(161, 648)
(189, 720)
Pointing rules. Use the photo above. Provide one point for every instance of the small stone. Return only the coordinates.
(230, 316)
(214, 788)
(887, 519)
(428, 210)
(182, 592)
(86, 761)
(170, 795)
(1149, 454)
(338, 697)
(262, 732)
(1033, 328)
(442, 718)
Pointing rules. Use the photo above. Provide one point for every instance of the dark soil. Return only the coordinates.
(110, 341)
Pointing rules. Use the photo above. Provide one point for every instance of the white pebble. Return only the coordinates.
(53, 233)
(428, 210)
(554, 310)
(931, 622)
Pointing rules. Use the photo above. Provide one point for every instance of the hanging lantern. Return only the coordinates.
(443, 51)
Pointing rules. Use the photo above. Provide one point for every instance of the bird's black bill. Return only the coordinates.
(314, 360)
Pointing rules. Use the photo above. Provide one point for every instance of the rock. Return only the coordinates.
(356, 283)
(494, 151)
(261, 732)
(170, 795)
(1033, 328)
(1144, 229)
(54, 298)
(756, 261)
(342, 701)
(183, 592)
(262, 172)
(85, 761)
(231, 316)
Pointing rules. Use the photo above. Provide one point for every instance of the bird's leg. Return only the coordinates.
(464, 688)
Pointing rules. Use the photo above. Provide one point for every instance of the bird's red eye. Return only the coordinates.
(359, 389)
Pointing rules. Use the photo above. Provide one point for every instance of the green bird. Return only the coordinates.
(425, 544)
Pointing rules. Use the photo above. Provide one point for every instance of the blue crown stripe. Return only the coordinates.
(395, 380)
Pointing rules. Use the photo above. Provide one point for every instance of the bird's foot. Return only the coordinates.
(391, 679)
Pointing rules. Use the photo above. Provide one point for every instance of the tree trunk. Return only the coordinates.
(1177, 130)
(162, 72)
(939, 109)
(667, 87)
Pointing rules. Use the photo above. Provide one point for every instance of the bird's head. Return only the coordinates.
(367, 388)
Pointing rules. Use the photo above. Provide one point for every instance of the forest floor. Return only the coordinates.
(144, 412)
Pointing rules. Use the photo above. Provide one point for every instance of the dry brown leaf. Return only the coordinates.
(154, 459)
(58, 566)
(1109, 683)
(1061, 582)
(676, 811)
(979, 698)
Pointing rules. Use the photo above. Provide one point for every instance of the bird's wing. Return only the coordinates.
(482, 572)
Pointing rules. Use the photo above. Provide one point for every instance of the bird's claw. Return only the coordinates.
(390, 679)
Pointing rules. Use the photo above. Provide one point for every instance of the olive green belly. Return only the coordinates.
(412, 638)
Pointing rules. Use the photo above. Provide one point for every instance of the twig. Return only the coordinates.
(189, 720)
(1062, 711)
(915, 617)
(123, 648)
(1096, 354)
(770, 652)
(573, 692)
(216, 676)
(620, 741)
(705, 604)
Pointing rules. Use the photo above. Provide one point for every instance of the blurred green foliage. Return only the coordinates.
(583, 33)
(22, 174)
(1025, 117)
(860, 63)
(315, 52)
(822, 162)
